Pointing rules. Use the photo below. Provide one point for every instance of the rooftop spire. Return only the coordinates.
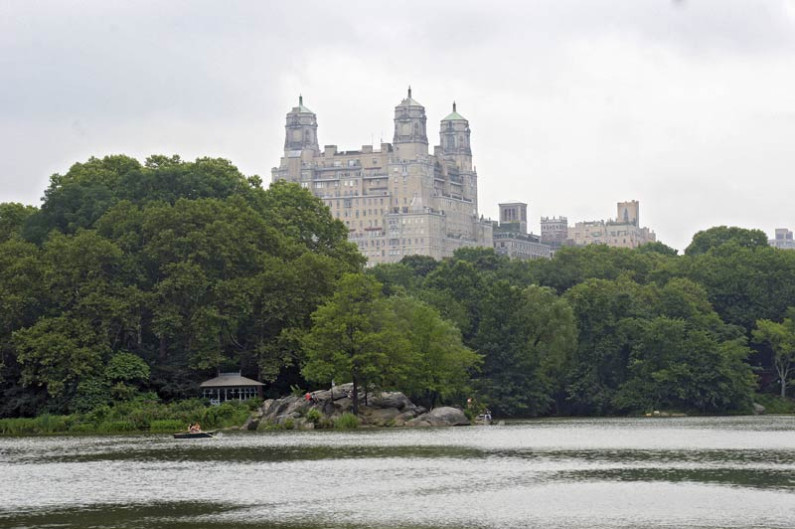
(453, 106)
(300, 100)
(409, 91)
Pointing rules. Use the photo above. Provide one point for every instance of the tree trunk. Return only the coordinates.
(783, 372)
(355, 396)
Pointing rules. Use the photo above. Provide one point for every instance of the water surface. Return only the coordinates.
(579, 473)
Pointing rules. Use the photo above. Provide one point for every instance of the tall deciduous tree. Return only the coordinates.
(439, 365)
(781, 338)
(706, 240)
(527, 338)
(355, 338)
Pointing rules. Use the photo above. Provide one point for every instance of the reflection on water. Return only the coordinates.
(662, 473)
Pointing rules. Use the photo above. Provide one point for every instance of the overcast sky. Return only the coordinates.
(687, 106)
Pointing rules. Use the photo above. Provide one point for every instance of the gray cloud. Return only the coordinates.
(574, 105)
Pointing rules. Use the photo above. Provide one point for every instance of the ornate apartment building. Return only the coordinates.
(398, 199)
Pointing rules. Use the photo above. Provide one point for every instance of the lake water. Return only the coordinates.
(580, 473)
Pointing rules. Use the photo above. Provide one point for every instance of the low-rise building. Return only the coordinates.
(511, 237)
(554, 231)
(622, 232)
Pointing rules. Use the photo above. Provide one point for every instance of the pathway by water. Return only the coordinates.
(597, 473)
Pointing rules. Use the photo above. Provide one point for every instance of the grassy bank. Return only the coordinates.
(140, 416)
(774, 404)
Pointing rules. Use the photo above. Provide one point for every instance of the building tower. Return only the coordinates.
(628, 212)
(410, 139)
(454, 136)
(300, 131)
(513, 217)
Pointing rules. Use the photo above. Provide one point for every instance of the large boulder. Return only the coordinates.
(444, 416)
(395, 399)
(379, 416)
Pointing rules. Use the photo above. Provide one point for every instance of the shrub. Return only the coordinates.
(774, 404)
(166, 426)
(230, 413)
(117, 427)
(314, 416)
(17, 426)
(346, 421)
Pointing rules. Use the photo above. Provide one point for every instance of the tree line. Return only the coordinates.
(146, 278)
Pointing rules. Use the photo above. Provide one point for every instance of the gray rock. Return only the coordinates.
(322, 395)
(394, 399)
(380, 416)
(343, 405)
(444, 416)
(405, 417)
(758, 409)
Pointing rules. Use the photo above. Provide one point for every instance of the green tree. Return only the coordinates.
(355, 338)
(744, 284)
(13, 216)
(715, 237)
(674, 366)
(781, 339)
(571, 266)
(440, 366)
(527, 338)
(57, 353)
(600, 365)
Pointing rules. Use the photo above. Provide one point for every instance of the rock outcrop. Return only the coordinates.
(445, 416)
(375, 409)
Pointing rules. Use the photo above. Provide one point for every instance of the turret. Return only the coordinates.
(410, 137)
(301, 130)
(454, 136)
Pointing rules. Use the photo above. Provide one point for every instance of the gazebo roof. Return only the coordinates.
(227, 380)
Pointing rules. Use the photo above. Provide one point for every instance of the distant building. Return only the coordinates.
(783, 239)
(623, 232)
(511, 237)
(399, 199)
(554, 231)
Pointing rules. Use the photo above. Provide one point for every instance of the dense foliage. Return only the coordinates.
(599, 330)
(144, 279)
(151, 277)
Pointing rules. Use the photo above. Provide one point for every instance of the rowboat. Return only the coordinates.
(193, 435)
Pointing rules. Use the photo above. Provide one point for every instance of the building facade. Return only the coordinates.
(554, 231)
(622, 232)
(397, 199)
(511, 237)
(783, 240)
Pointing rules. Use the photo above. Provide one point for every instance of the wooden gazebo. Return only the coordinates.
(230, 386)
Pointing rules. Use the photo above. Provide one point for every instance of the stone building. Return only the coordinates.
(623, 232)
(511, 237)
(783, 239)
(397, 199)
(554, 231)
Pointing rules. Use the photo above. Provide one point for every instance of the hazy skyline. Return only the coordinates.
(686, 106)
